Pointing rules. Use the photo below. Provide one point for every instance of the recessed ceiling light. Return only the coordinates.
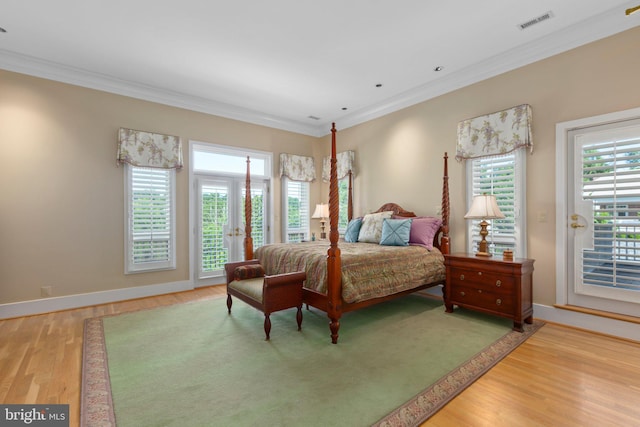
(438, 68)
(379, 85)
(2, 30)
(344, 108)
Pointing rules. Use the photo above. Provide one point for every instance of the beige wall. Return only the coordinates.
(61, 197)
(399, 155)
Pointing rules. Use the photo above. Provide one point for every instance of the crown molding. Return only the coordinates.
(584, 32)
(24, 64)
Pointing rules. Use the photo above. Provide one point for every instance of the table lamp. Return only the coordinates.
(484, 207)
(322, 213)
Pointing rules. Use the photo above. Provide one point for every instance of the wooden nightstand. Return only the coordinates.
(490, 285)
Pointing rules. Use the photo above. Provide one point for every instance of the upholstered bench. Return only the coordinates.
(246, 281)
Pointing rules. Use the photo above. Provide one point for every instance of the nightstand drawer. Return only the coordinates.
(481, 298)
(487, 280)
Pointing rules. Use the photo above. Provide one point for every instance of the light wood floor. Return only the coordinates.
(559, 377)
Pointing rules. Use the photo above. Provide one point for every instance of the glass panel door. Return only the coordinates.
(214, 226)
(221, 222)
(604, 219)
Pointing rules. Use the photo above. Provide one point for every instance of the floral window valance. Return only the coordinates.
(146, 149)
(297, 168)
(495, 134)
(345, 163)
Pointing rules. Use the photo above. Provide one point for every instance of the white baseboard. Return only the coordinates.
(603, 325)
(48, 305)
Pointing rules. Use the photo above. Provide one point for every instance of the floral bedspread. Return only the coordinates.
(369, 270)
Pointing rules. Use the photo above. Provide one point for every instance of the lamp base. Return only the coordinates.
(323, 234)
(483, 246)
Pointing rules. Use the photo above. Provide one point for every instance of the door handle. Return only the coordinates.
(575, 224)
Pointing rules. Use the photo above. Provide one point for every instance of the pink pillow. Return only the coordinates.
(423, 231)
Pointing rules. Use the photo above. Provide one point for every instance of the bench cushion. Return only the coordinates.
(249, 287)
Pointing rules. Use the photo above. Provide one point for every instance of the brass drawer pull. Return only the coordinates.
(498, 301)
(498, 283)
(479, 273)
(462, 293)
(462, 277)
(479, 291)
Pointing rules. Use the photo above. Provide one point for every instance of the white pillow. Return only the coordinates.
(371, 230)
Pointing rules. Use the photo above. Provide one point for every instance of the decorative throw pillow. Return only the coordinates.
(371, 229)
(353, 230)
(395, 232)
(248, 272)
(423, 230)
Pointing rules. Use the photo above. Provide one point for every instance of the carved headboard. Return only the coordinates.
(396, 209)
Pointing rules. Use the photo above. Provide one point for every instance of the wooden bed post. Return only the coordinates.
(350, 197)
(248, 240)
(334, 276)
(444, 242)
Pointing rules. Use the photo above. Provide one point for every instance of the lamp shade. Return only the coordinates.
(322, 211)
(484, 207)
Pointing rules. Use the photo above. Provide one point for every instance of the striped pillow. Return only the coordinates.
(248, 272)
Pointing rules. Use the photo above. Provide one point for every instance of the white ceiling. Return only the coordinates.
(277, 62)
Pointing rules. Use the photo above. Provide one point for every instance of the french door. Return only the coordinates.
(221, 222)
(603, 205)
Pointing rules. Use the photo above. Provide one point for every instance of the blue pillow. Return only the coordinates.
(395, 232)
(353, 230)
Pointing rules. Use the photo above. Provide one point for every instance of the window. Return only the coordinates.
(150, 219)
(504, 177)
(296, 208)
(218, 177)
(343, 197)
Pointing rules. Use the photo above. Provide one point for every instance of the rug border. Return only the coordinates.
(97, 409)
(430, 400)
(96, 406)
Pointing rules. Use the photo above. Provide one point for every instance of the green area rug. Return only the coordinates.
(194, 365)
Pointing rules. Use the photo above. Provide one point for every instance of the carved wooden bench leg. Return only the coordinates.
(267, 326)
(229, 302)
(299, 318)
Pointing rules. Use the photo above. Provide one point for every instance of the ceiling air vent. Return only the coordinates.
(537, 20)
(313, 117)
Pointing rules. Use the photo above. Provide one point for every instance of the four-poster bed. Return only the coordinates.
(333, 288)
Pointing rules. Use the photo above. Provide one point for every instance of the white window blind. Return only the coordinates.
(214, 217)
(343, 197)
(296, 197)
(503, 177)
(150, 231)
(611, 181)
